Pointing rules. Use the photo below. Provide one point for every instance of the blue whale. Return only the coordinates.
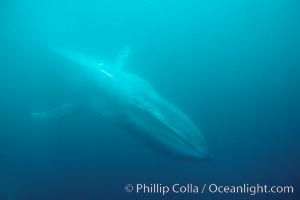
(131, 104)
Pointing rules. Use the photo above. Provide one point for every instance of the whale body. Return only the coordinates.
(132, 104)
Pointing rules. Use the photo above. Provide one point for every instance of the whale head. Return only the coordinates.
(159, 124)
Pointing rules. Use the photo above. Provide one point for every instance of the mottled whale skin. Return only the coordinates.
(131, 104)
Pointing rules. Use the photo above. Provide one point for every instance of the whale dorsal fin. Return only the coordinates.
(122, 57)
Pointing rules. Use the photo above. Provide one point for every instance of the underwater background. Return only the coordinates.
(232, 66)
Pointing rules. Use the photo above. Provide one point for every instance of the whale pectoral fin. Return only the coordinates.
(58, 112)
(94, 63)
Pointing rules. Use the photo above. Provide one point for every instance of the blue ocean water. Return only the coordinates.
(231, 66)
